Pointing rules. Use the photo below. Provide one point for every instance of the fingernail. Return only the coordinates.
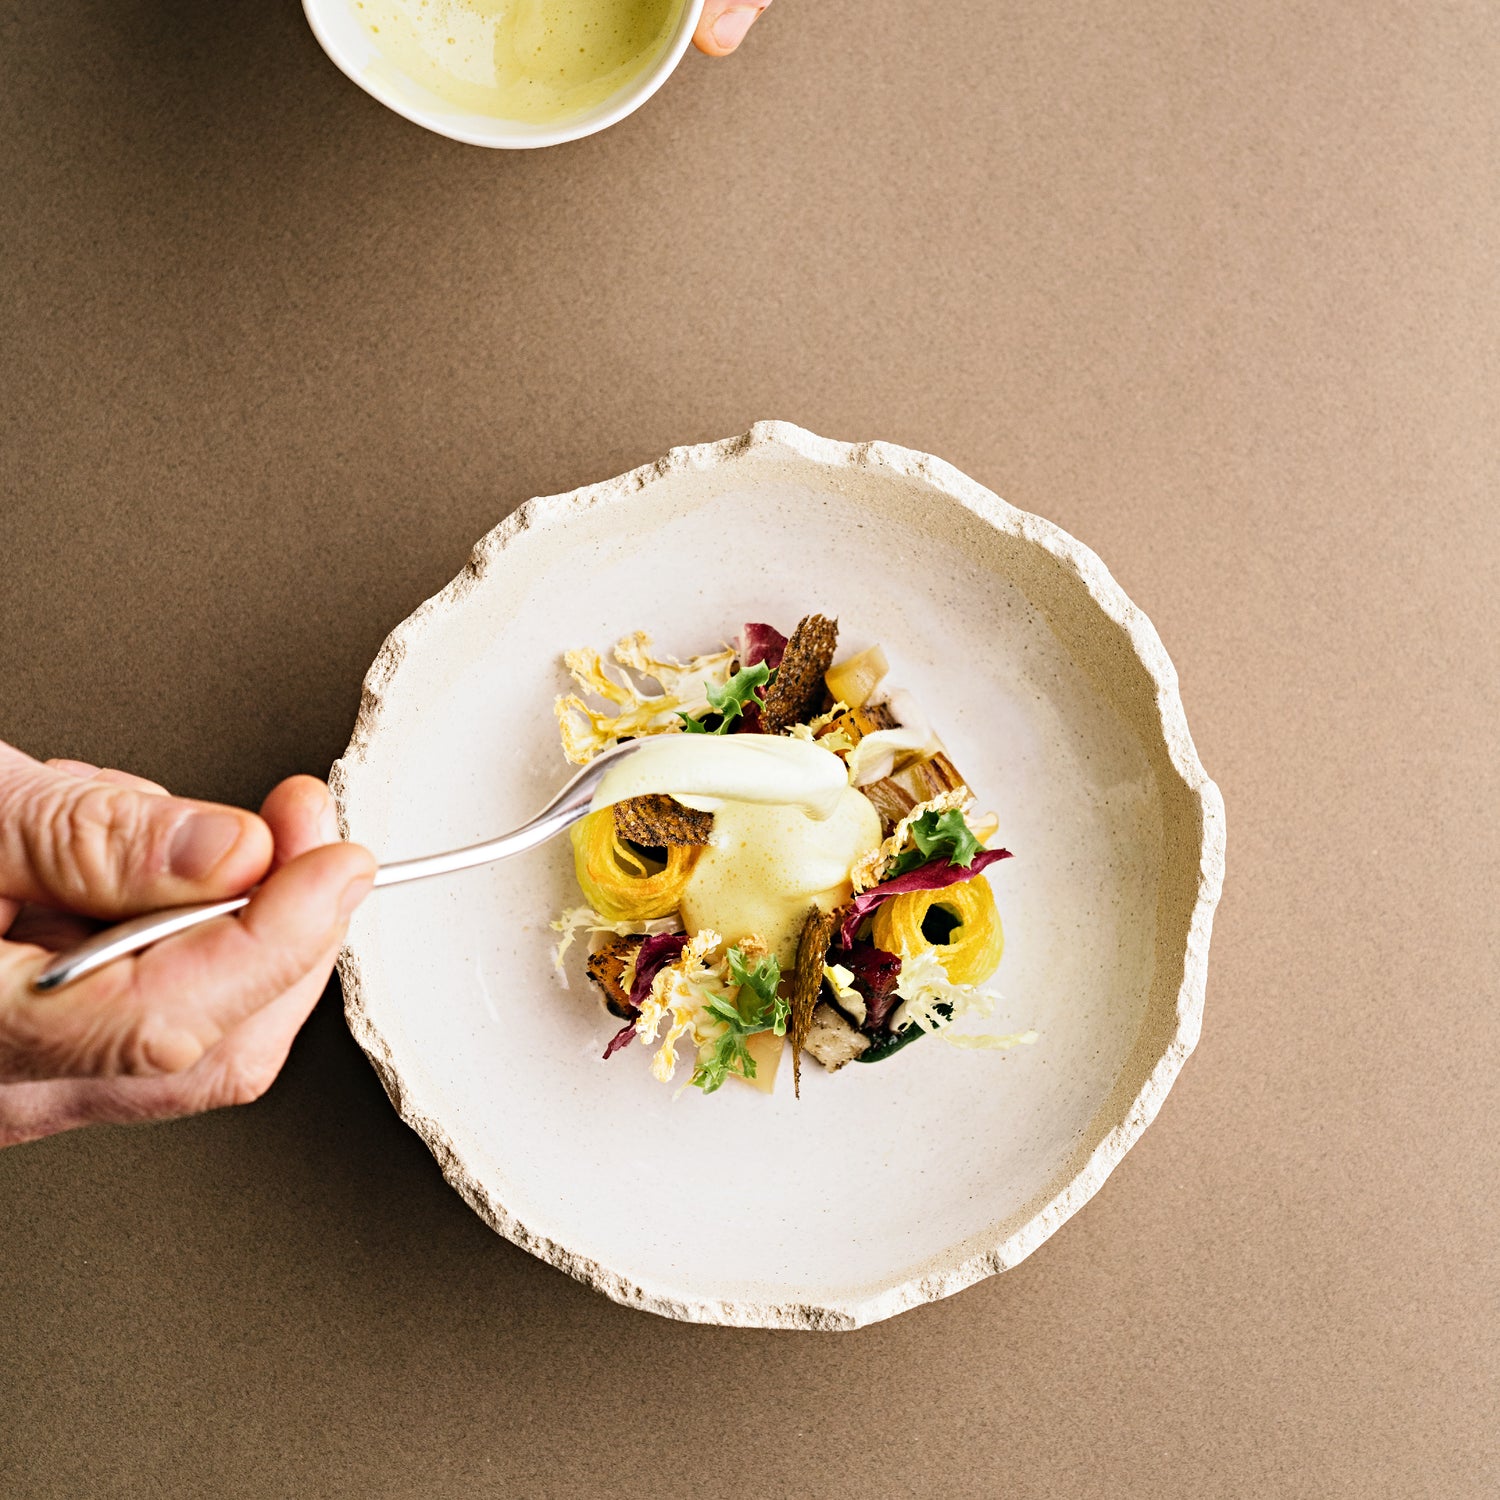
(201, 842)
(730, 28)
(354, 893)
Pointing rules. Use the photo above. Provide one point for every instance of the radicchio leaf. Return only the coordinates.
(761, 643)
(622, 1038)
(656, 953)
(651, 957)
(935, 875)
(875, 975)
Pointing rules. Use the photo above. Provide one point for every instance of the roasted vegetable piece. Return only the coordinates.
(853, 681)
(807, 982)
(875, 975)
(607, 966)
(833, 1040)
(867, 718)
(657, 821)
(798, 690)
(926, 779)
(891, 800)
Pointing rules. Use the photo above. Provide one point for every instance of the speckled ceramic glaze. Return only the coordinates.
(886, 1185)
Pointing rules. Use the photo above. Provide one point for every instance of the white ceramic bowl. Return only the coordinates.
(885, 1186)
(343, 37)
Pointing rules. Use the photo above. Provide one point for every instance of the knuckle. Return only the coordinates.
(108, 1031)
(88, 841)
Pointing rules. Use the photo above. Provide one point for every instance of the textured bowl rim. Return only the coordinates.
(929, 1286)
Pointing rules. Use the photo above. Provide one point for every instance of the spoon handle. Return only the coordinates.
(570, 804)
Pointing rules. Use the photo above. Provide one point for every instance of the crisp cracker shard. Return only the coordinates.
(807, 982)
(657, 821)
(798, 690)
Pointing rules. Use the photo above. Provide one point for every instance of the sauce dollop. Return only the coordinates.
(788, 828)
(705, 770)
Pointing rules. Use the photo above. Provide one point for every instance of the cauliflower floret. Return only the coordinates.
(684, 689)
(677, 993)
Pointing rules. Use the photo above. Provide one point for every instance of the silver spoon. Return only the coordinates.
(565, 809)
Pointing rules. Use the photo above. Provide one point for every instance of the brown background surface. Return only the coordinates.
(1213, 287)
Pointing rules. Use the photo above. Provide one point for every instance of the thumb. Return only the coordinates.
(723, 24)
(109, 851)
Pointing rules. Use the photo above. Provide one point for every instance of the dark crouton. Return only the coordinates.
(607, 966)
(660, 822)
(798, 691)
(807, 982)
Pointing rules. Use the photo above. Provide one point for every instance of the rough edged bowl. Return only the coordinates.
(887, 1185)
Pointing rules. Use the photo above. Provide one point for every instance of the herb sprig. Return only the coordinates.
(935, 834)
(758, 1008)
(730, 701)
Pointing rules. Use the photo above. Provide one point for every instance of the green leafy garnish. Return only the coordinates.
(759, 1008)
(936, 834)
(729, 701)
(762, 981)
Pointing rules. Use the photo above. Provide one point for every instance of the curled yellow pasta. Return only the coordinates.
(616, 881)
(973, 949)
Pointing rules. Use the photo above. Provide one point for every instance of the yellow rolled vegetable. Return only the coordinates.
(971, 951)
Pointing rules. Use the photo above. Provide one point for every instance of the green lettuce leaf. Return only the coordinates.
(730, 700)
(936, 834)
(759, 1008)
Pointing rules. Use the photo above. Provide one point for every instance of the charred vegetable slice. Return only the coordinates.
(891, 800)
(607, 967)
(658, 821)
(868, 718)
(807, 982)
(797, 692)
(928, 778)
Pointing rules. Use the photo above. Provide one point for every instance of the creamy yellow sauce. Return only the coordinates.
(788, 828)
(767, 865)
(536, 61)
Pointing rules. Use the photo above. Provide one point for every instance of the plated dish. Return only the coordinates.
(882, 1186)
(796, 861)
